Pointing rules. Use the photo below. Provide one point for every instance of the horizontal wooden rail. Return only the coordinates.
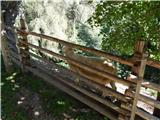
(110, 91)
(145, 84)
(148, 84)
(90, 83)
(143, 114)
(146, 99)
(14, 54)
(91, 50)
(81, 65)
(151, 85)
(107, 90)
(70, 83)
(67, 89)
(153, 63)
(150, 62)
(12, 48)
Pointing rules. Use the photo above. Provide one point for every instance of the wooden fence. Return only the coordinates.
(86, 91)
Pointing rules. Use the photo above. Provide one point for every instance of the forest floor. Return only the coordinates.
(26, 97)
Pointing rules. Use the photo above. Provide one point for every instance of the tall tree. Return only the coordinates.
(123, 22)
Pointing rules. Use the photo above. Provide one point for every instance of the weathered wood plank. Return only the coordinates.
(157, 110)
(11, 47)
(14, 54)
(79, 96)
(70, 83)
(150, 62)
(148, 84)
(91, 50)
(153, 63)
(138, 69)
(143, 114)
(70, 74)
(151, 85)
(24, 57)
(81, 65)
(145, 99)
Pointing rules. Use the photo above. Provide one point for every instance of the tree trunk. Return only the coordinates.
(4, 47)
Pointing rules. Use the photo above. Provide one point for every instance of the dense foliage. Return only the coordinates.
(124, 22)
(85, 37)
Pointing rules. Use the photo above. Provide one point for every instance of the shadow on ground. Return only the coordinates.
(26, 97)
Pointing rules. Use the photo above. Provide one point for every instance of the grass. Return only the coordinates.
(8, 99)
(54, 102)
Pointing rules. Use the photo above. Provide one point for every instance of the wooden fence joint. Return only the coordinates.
(138, 70)
(23, 49)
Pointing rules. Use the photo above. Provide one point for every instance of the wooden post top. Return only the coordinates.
(22, 23)
(139, 46)
(139, 52)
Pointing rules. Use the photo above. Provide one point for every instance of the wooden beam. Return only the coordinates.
(145, 99)
(23, 56)
(153, 63)
(156, 109)
(143, 114)
(14, 54)
(70, 83)
(78, 95)
(147, 116)
(147, 84)
(11, 47)
(138, 70)
(71, 74)
(150, 62)
(90, 50)
(82, 65)
(151, 85)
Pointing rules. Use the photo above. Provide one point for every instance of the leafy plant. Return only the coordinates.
(85, 38)
(124, 22)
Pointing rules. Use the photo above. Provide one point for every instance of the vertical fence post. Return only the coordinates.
(23, 49)
(139, 60)
(156, 110)
(4, 48)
